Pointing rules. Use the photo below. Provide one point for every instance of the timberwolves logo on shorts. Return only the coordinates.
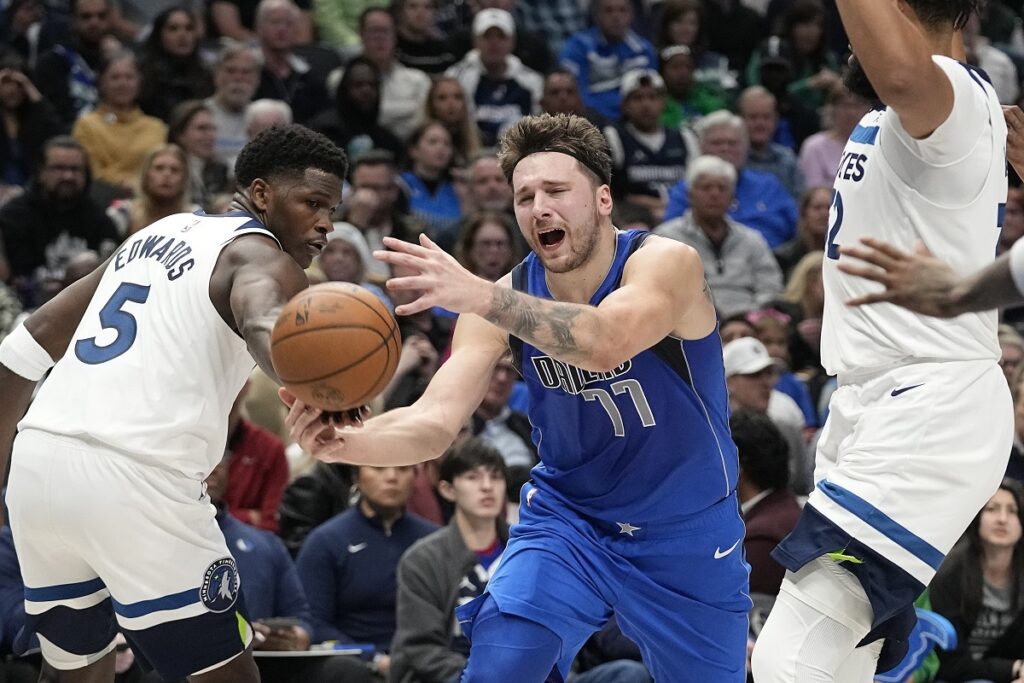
(220, 585)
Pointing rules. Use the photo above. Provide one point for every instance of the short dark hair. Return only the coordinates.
(62, 142)
(937, 13)
(763, 452)
(564, 133)
(370, 10)
(374, 157)
(468, 455)
(288, 151)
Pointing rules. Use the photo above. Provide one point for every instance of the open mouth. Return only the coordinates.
(551, 238)
(316, 247)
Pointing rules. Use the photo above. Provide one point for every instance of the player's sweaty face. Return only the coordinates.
(556, 208)
(299, 213)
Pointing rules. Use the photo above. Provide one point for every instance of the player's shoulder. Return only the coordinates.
(658, 250)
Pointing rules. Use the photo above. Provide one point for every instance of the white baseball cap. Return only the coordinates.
(638, 78)
(746, 356)
(493, 18)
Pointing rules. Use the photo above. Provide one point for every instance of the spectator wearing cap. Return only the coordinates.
(776, 71)
(647, 157)
(760, 201)
(503, 90)
(815, 67)
(687, 98)
(750, 375)
(345, 257)
(758, 109)
(531, 46)
(738, 264)
(600, 56)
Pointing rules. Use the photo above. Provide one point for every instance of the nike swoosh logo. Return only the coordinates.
(719, 554)
(902, 390)
(356, 548)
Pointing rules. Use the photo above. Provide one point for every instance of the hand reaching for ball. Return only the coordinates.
(318, 432)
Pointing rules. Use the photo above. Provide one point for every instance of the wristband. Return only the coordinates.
(22, 354)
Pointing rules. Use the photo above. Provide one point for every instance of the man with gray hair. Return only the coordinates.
(760, 201)
(236, 74)
(738, 263)
(263, 114)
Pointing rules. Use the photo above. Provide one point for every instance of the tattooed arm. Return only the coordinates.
(663, 293)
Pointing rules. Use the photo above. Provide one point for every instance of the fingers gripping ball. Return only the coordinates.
(335, 346)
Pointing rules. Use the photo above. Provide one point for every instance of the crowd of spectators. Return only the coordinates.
(726, 121)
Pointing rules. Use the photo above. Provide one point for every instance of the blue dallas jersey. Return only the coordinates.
(647, 441)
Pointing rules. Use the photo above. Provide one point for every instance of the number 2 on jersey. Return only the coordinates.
(623, 386)
(832, 249)
(113, 317)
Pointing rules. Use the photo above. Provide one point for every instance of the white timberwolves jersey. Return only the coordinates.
(947, 191)
(153, 369)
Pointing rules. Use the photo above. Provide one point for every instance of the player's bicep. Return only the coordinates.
(941, 122)
(662, 293)
(460, 383)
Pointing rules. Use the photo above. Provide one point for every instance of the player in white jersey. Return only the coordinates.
(920, 428)
(106, 499)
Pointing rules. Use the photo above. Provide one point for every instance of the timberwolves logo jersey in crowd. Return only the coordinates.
(626, 444)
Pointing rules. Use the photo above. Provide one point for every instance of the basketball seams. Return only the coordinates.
(348, 325)
(383, 341)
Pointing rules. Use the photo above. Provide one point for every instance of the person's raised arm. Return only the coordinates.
(255, 279)
(662, 293)
(33, 347)
(424, 430)
(922, 283)
(897, 59)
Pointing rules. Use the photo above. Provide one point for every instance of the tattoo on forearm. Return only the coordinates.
(549, 325)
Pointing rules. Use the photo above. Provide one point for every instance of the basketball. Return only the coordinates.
(335, 346)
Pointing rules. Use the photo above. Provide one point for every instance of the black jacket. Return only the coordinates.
(311, 500)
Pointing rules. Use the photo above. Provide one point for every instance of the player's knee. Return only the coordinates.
(506, 647)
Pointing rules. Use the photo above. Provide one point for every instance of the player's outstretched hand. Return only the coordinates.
(917, 281)
(1015, 137)
(318, 433)
(437, 278)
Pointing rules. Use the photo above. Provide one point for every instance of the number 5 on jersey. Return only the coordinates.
(114, 317)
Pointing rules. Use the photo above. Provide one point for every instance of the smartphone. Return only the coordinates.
(279, 623)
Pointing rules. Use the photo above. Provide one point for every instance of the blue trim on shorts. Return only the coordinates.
(167, 602)
(64, 591)
(883, 523)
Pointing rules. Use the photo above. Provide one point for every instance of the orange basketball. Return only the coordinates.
(335, 346)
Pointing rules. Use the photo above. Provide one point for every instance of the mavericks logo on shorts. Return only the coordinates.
(220, 585)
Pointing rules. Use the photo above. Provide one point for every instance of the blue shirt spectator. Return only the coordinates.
(350, 561)
(600, 56)
(270, 581)
(761, 202)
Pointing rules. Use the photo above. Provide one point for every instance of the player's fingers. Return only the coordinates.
(894, 253)
(868, 299)
(414, 307)
(396, 258)
(1013, 115)
(873, 274)
(396, 244)
(872, 256)
(408, 282)
(286, 396)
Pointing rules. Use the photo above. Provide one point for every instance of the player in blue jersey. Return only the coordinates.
(632, 509)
